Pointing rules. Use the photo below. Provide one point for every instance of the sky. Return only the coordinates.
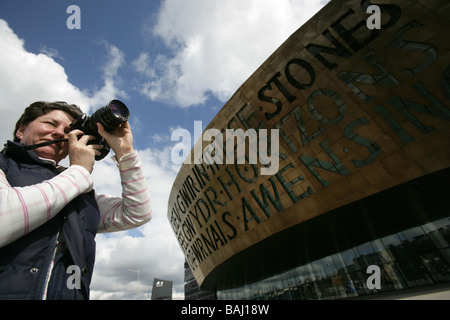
(172, 62)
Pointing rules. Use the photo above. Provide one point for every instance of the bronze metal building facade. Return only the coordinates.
(362, 119)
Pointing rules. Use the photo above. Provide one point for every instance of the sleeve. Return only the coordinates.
(23, 209)
(131, 210)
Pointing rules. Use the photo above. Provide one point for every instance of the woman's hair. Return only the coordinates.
(40, 108)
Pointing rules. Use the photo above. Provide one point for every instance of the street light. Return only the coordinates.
(137, 285)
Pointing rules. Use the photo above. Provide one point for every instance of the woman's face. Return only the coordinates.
(51, 126)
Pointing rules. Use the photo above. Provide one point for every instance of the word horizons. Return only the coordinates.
(214, 152)
(205, 216)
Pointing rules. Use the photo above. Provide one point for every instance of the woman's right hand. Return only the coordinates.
(80, 153)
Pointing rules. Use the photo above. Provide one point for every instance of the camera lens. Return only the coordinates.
(110, 116)
(119, 110)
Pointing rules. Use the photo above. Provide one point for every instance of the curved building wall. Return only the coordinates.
(357, 125)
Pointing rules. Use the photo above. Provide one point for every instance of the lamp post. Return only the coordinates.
(137, 285)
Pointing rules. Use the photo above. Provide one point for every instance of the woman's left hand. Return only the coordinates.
(120, 139)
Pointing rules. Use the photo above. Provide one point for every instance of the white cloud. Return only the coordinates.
(216, 45)
(142, 65)
(52, 53)
(111, 87)
(27, 77)
(156, 253)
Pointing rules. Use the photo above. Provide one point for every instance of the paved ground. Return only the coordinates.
(444, 295)
(436, 294)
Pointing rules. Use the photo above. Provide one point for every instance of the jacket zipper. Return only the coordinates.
(44, 289)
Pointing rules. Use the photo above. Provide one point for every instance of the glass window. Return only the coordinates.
(414, 257)
(394, 245)
(436, 266)
(301, 275)
(439, 232)
(328, 266)
(367, 256)
(412, 233)
(413, 273)
(310, 276)
(359, 278)
(339, 262)
(291, 278)
(318, 270)
(349, 257)
(394, 277)
(391, 240)
(446, 255)
(383, 255)
(417, 242)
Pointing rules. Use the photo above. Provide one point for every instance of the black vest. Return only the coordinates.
(25, 263)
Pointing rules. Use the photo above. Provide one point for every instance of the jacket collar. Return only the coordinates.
(15, 151)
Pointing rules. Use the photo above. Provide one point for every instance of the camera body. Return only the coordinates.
(110, 116)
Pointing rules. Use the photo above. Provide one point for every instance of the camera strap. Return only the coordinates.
(43, 144)
(35, 146)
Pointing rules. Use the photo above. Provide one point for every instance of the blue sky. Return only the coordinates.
(172, 62)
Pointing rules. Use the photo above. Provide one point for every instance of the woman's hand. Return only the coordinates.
(80, 153)
(120, 139)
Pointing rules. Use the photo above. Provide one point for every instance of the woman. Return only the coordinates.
(49, 215)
